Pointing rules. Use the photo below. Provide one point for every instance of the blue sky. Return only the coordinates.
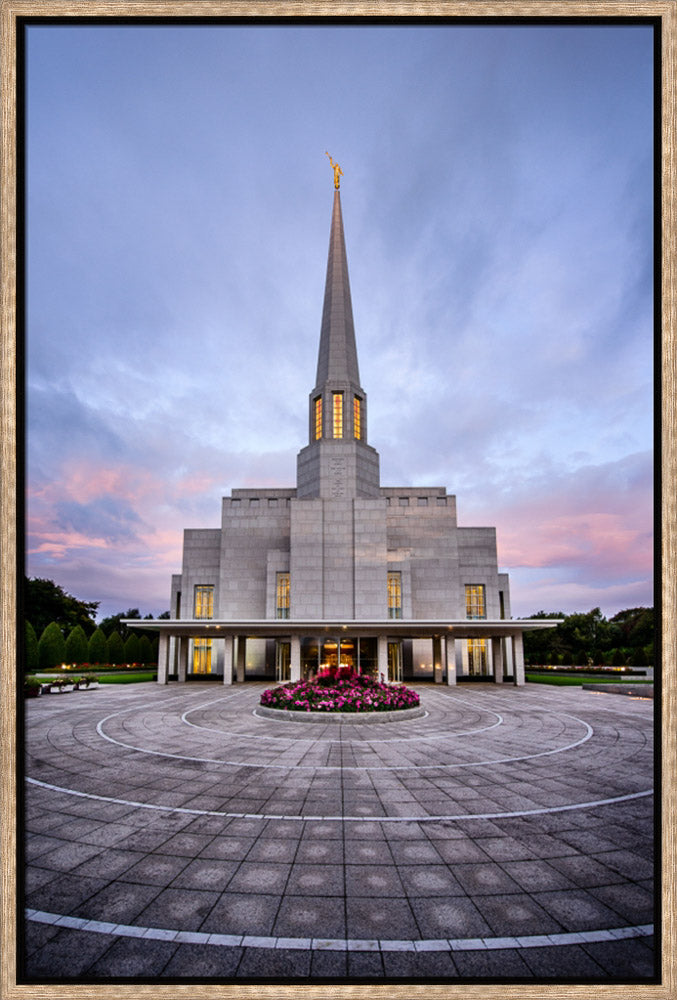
(497, 201)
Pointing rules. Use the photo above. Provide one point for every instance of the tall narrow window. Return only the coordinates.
(318, 418)
(282, 602)
(338, 414)
(202, 656)
(394, 595)
(357, 417)
(477, 656)
(204, 601)
(475, 606)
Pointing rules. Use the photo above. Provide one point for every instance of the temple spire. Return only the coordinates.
(337, 358)
(337, 463)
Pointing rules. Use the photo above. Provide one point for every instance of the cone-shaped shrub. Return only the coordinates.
(132, 649)
(51, 648)
(116, 648)
(145, 650)
(98, 647)
(77, 646)
(31, 657)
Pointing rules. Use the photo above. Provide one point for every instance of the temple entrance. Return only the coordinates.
(395, 662)
(282, 662)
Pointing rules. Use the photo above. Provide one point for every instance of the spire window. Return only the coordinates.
(318, 418)
(338, 414)
(357, 417)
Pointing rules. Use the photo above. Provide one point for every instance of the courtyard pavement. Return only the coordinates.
(173, 833)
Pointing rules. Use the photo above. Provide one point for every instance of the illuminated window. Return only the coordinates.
(204, 601)
(477, 656)
(202, 656)
(474, 601)
(282, 596)
(357, 417)
(318, 418)
(394, 595)
(338, 414)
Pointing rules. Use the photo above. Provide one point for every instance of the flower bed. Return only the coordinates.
(347, 693)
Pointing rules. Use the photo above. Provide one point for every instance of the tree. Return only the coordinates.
(132, 650)
(46, 602)
(51, 648)
(77, 646)
(145, 650)
(31, 655)
(98, 648)
(116, 648)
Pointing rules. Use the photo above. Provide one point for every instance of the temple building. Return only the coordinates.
(340, 570)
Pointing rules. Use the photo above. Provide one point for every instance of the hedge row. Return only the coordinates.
(53, 648)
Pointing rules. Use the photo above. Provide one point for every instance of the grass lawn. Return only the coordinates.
(568, 679)
(105, 677)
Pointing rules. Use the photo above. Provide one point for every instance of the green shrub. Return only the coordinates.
(32, 657)
(132, 649)
(145, 650)
(116, 648)
(51, 648)
(98, 648)
(77, 646)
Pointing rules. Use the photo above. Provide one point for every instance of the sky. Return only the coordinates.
(497, 203)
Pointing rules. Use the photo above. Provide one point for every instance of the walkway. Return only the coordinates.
(173, 833)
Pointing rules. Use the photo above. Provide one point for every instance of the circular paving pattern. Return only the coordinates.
(508, 830)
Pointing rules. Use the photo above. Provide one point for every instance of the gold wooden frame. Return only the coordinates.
(10, 12)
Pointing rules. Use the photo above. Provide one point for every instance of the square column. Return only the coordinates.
(437, 660)
(497, 659)
(183, 642)
(162, 654)
(450, 644)
(228, 660)
(382, 657)
(241, 654)
(295, 660)
(518, 660)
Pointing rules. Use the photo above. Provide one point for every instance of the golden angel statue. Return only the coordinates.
(337, 172)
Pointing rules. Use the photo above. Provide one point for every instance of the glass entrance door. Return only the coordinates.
(283, 662)
(394, 662)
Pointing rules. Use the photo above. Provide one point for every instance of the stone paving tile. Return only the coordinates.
(63, 893)
(195, 962)
(314, 916)
(228, 848)
(413, 965)
(429, 880)
(243, 913)
(313, 880)
(182, 909)
(379, 880)
(449, 918)
(134, 957)
(266, 963)
(260, 877)
(564, 962)
(329, 964)
(376, 917)
(156, 869)
(504, 964)
(69, 955)
(119, 902)
(576, 909)
(365, 965)
(624, 959)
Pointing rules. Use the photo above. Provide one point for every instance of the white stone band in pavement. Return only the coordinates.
(338, 944)
(371, 818)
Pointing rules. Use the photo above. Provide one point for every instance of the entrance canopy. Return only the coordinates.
(406, 629)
